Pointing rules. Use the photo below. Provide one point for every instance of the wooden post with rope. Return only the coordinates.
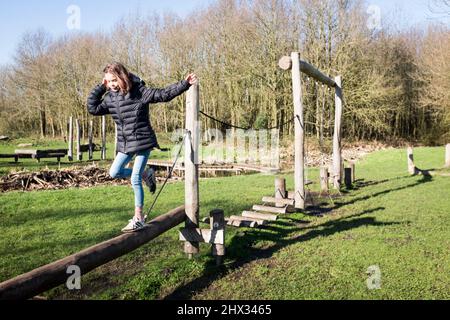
(191, 191)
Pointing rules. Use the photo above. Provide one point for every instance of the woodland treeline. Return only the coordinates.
(396, 83)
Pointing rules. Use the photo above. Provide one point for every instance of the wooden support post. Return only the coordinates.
(51, 275)
(191, 166)
(90, 133)
(324, 179)
(447, 155)
(78, 128)
(103, 138)
(217, 223)
(299, 181)
(348, 178)
(352, 167)
(337, 157)
(411, 166)
(280, 191)
(70, 152)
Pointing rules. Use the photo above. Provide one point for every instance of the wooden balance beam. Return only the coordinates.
(28, 285)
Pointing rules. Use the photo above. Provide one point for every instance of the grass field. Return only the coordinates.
(391, 221)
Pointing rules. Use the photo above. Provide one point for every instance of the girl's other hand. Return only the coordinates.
(105, 83)
(191, 78)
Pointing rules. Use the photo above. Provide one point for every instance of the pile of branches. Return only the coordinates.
(58, 179)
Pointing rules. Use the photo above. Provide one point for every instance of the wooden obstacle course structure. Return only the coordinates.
(28, 285)
(296, 65)
(414, 170)
(215, 235)
(90, 147)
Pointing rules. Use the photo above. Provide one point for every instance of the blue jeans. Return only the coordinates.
(118, 170)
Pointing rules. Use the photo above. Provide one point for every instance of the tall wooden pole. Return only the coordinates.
(191, 166)
(337, 158)
(90, 133)
(299, 180)
(70, 151)
(103, 138)
(78, 128)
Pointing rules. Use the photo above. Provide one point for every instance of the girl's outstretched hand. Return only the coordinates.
(191, 78)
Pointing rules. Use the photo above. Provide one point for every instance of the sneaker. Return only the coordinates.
(134, 225)
(150, 179)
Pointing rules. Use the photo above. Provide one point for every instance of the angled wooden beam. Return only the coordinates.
(28, 285)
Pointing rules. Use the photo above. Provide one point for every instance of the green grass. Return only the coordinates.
(397, 222)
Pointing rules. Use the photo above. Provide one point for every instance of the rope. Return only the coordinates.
(237, 127)
(170, 173)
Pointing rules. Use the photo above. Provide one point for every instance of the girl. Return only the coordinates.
(127, 99)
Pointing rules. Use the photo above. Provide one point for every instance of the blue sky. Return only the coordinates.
(18, 17)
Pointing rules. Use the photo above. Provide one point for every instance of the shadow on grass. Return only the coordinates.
(424, 179)
(242, 252)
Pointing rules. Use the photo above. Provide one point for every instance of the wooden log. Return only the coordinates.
(411, 166)
(337, 157)
(280, 191)
(324, 179)
(70, 152)
(299, 178)
(217, 223)
(191, 191)
(202, 235)
(282, 202)
(286, 63)
(103, 155)
(78, 130)
(258, 207)
(51, 275)
(258, 221)
(447, 155)
(259, 215)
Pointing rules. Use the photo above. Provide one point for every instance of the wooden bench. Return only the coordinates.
(10, 155)
(40, 154)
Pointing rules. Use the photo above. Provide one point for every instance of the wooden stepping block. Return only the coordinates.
(271, 209)
(278, 200)
(259, 215)
(240, 218)
(236, 223)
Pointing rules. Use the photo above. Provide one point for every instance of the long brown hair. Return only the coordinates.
(122, 75)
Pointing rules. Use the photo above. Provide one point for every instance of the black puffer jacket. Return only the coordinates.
(131, 112)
